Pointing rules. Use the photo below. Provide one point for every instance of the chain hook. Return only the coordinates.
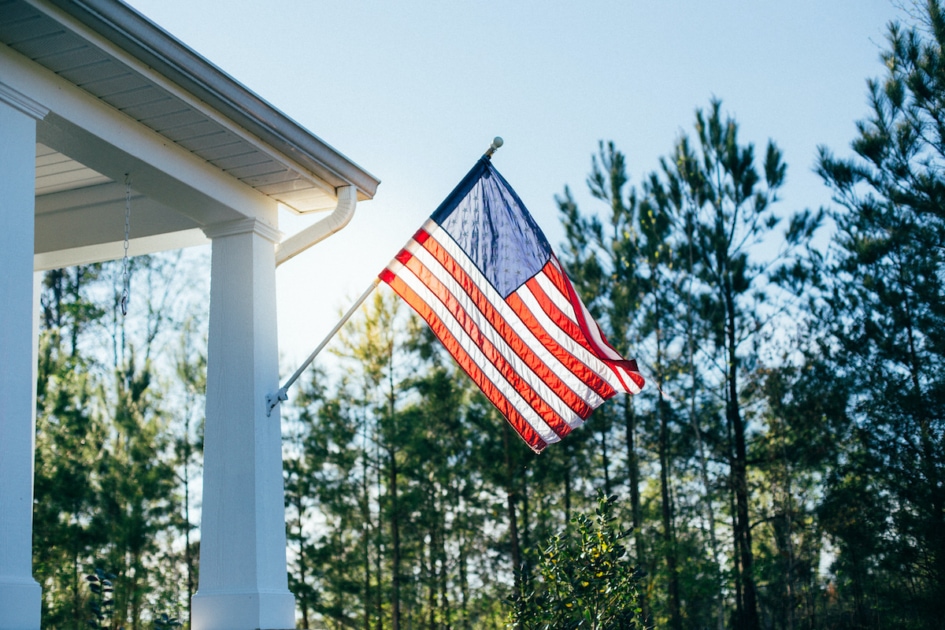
(125, 270)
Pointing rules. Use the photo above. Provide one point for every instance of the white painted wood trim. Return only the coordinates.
(115, 250)
(243, 226)
(21, 102)
(20, 594)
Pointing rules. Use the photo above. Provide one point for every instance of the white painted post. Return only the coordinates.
(19, 592)
(243, 582)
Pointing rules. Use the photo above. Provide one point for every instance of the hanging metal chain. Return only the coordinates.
(125, 270)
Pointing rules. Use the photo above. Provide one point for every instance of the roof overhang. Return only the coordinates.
(117, 97)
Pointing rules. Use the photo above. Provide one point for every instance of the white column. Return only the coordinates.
(19, 592)
(243, 583)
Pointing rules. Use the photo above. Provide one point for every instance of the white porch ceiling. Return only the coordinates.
(57, 173)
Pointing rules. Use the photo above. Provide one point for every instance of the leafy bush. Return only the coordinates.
(584, 580)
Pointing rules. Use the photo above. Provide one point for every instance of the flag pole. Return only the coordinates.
(273, 400)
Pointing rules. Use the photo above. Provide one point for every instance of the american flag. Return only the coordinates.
(481, 273)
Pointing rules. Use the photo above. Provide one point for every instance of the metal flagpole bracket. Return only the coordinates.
(273, 400)
(496, 143)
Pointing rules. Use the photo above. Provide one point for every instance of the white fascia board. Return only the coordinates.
(77, 114)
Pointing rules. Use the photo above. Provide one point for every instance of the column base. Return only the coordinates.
(243, 611)
(20, 604)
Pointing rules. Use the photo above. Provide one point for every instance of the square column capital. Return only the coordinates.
(243, 226)
(21, 102)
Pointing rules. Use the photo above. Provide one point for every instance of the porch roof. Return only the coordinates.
(115, 94)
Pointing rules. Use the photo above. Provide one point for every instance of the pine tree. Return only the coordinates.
(887, 305)
(105, 480)
(729, 211)
(70, 432)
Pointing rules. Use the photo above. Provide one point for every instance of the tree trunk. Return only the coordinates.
(303, 601)
(431, 583)
(395, 544)
(662, 410)
(929, 452)
(567, 493)
(365, 532)
(605, 457)
(736, 558)
(463, 579)
(443, 574)
(513, 523)
(636, 513)
(669, 532)
(523, 534)
(749, 619)
(694, 421)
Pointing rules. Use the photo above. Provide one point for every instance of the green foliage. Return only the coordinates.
(106, 483)
(585, 579)
(885, 299)
(166, 622)
(102, 603)
(673, 274)
(386, 455)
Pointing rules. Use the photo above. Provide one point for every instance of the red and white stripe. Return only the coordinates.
(537, 355)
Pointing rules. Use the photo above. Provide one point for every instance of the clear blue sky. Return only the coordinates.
(414, 91)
